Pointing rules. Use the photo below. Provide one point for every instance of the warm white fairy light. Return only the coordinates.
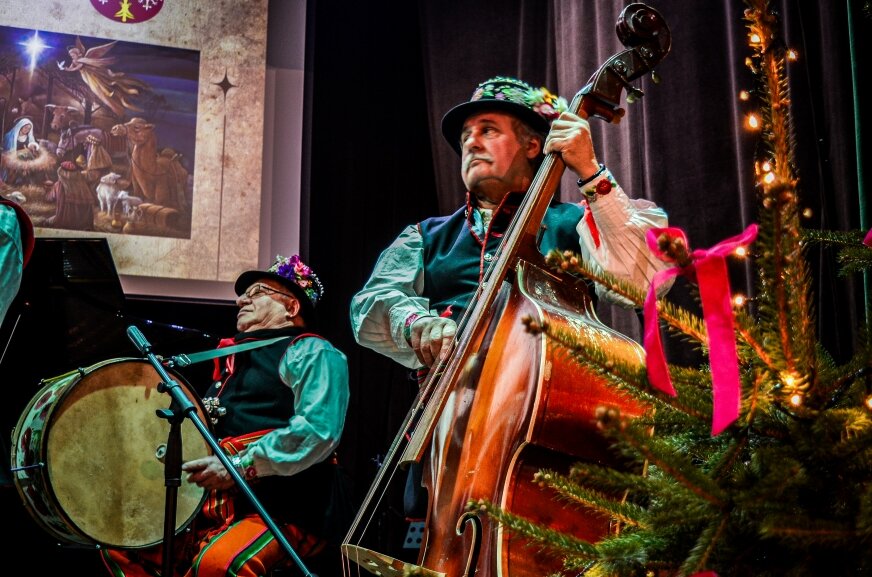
(753, 121)
(869, 402)
(741, 251)
(755, 38)
(766, 166)
(739, 301)
(769, 178)
(744, 95)
(796, 399)
(792, 55)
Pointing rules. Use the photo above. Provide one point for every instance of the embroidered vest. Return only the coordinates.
(455, 258)
(253, 395)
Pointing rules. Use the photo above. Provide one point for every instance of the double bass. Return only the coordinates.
(505, 403)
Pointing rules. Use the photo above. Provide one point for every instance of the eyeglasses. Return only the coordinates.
(260, 289)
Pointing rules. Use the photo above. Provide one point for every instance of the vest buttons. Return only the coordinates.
(488, 257)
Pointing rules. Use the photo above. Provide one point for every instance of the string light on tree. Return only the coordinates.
(753, 121)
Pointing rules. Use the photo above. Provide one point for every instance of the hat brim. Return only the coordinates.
(452, 122)
(248, 278)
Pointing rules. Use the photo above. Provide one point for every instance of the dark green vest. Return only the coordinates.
(454, 257)
(256, 399)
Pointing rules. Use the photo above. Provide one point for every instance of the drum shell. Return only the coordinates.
(87, 456)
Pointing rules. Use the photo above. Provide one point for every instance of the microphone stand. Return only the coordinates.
(182, 407)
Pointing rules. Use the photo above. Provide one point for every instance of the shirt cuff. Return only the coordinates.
(244, 464)
(407, 326)
(597, 186)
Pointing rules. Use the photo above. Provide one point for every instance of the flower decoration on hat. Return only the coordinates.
(537, 107)
(540, 100)
(296, 271)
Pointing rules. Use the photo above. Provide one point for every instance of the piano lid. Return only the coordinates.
(68, 312)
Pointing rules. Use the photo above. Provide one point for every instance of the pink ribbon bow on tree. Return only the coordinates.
(710, 269)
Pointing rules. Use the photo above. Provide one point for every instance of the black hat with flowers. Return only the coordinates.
(538, 107)
(293, 274)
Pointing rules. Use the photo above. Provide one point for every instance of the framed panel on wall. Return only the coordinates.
(139, 121)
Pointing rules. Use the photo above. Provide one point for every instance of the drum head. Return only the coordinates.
(105, 449)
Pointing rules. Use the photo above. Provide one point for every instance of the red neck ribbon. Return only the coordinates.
(226, 361)
(710, 271)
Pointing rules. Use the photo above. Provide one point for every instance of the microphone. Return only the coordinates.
(139, 340)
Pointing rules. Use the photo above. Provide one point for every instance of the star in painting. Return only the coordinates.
(225, 85)
(34, 46)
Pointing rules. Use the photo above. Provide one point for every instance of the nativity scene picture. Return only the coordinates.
(98, 135)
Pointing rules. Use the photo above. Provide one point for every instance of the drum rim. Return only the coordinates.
(77, 534)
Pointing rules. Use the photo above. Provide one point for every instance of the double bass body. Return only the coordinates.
(530, 407)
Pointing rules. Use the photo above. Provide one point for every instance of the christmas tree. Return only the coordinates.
(759, 462)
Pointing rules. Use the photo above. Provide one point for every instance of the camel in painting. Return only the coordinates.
(157, 177)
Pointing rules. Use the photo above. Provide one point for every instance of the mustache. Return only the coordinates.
(470, 159)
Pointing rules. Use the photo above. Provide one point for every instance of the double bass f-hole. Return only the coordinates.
(470, 519)
(505, 404)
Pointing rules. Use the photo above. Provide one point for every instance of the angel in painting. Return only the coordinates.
(114, 89)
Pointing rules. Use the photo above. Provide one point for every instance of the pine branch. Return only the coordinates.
(559, 543)
(853, 255)
(746, 327)
(630, 376)
(679, 319)
(702, 549)
(570, 491)
(782, 258)
(658, 453)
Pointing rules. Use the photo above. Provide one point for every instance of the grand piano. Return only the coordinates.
(71, 317)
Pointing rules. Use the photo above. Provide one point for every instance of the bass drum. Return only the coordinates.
(88, 456)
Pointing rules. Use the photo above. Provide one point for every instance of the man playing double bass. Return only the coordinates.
(422, 283)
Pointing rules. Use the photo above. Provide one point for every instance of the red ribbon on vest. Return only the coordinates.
(709, 269)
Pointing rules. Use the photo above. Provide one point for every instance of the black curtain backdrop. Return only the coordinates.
(381, 75)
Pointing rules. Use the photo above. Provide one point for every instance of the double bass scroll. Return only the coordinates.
(505, 403)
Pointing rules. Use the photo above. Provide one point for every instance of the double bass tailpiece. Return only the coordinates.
(384, 565)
